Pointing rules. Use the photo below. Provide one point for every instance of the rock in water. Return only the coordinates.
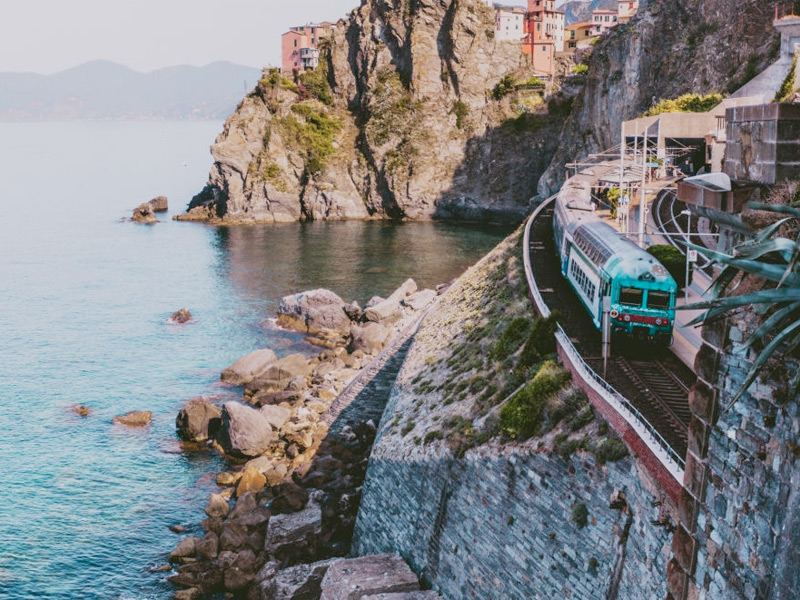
(382, 574)
(217, 506)
(198, 420)
(159, 204)
(316, 311)
(135, 418)
(182, 316)
(244, 431)
(144, 214)
(279, 374)
(184, 549)
(82, 411)
(248, 367)
(408, 287)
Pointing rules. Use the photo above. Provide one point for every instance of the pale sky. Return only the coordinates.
(45, 36)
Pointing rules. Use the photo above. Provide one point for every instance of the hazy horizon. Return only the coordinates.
(50, 36)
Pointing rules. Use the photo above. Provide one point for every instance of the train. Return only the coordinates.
(598, 261)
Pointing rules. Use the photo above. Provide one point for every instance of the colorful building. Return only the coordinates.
(577, 36)
(626, 9)
(299, 46)
(544, 34)
(509, 23)
(603, 20)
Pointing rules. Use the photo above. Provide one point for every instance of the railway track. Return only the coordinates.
(668, 220)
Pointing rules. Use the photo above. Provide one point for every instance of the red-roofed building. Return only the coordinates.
(577, 36)
(545, 34)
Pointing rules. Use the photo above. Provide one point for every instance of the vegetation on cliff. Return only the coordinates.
(688, 103)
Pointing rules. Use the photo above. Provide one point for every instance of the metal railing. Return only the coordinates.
(666, 455)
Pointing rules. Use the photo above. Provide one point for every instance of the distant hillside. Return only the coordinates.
(578, 11)
(106, 90)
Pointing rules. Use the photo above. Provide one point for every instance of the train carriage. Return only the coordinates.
(597, 261)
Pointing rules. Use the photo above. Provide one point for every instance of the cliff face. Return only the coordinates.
(399, 121)
(671, 48)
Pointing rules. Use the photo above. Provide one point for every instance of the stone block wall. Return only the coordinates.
(763, 143)
(498, 524)
(739, 531)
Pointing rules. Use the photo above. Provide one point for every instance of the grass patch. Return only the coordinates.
(580, 515)
(688, 103)
(610, 450)
(523, 414)
(511, 339)
(314, 133)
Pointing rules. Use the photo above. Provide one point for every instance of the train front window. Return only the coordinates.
(657, 299)
(631, 296)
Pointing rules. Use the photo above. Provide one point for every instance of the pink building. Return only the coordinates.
(603, 20)
(626, 9)
(299, 46)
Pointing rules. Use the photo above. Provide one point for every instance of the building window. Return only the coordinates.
(544, 48)
(295, 43)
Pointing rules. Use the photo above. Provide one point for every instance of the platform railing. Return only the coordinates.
(666, 455)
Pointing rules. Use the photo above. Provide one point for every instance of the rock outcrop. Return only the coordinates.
(399, 121)
(672, 47)
(134, 418)
(198, 420)
(248, 367)
(244, 431)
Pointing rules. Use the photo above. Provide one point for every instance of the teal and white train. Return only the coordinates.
(598, 261)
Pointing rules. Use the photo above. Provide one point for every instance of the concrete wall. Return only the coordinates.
(763, 143)
(497, 523)
(739, 535)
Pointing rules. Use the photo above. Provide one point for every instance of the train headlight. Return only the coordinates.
(614, 314)
(659, 322)
(627, 318)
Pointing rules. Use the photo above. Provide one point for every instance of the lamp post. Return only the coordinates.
(688, 214)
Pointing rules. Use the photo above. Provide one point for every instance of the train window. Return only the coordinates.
(631, 296)
(657, 299)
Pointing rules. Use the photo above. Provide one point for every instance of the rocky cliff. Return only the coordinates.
(399, 121)
(671, 48)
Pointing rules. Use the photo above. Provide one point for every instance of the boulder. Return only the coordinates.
(252, 481)
(226, 479)
(208, 547)
(278, 375)
(369, 338)
(353, 311)
(374, 301)
(180, 316)
(241, 572)
(277, 474)
(355, 578)
(387, 311)
(185, 548)
(232, 536)
(159, 204)
(217, 506)
(192, 593)
(144, 214)
(198, 420)
(315, 311)
(294, 535)
(135, 418)
(244, 431)
(276, 416)
(245, 504)
(301, 582)
(420, 300)
(408, 287)
(289, 497)
(82, 410)
(248, 367)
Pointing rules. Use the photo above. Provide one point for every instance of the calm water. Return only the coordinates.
(85, 506)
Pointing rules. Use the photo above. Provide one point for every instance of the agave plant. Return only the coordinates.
(775, 259)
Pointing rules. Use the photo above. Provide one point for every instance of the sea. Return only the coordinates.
(85, 299)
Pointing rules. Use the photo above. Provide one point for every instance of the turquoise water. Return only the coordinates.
(85, 505)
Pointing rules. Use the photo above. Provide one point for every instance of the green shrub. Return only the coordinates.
(315, 134)
(580, 515)
(688, 103)
(674, 262)
(541, 341)
(535, 81)
(316, 84)
(461, 111)
(511, 339)
(436, 434)
(521, 417)
(610, 450)
(580, 69)
(566, 447)
(786, 90)
(504, 87)
(407, 428)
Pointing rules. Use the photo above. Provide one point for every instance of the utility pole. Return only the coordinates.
(622, 148)
(642, 197)
(606, 333)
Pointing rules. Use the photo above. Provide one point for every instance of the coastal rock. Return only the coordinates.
(353, 311)
(302, 582)
(294, 535)
(135, 418)
(408, 287)
(368, 575)
(192, 593)
(207, 547)
(180, 316)
(386, 312)
(217, 506)
(427, 595)
(369, 338)
(226, 479)
(185, 548)
(277, 376)
(252, 481)
(290, 497)
(374, 301)
(276, 416)
(248, 367)
(198, 420)
(232, 536)
(244, 431)
(245, 504)
(315, 311)
(144, 214)
(241, 572)
(420, 300)
(82, 411)
(159, 204)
